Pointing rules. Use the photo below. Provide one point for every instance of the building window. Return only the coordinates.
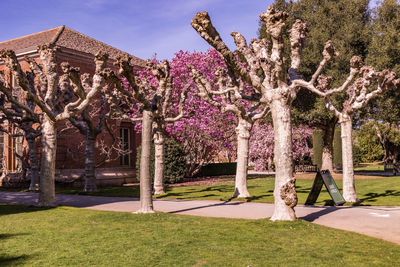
(19, 150)
(125, 154)
(16, 89)
(1, 150)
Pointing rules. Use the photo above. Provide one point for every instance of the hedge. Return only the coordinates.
(217, 169)
(174, 161)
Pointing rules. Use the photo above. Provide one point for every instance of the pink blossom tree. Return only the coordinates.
(204, 131)
(362, 84)
(232, 95)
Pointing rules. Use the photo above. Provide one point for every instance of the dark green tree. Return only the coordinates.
(346, 23)
(369, 143)
(384, 53)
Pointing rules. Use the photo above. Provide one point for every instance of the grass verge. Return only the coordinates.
(374, 192)
(76, 237)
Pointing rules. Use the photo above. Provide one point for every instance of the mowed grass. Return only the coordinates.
(66, 236)
(375, 192)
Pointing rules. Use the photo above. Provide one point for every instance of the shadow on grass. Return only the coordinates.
(373, 197)
(11, 260)
(8, 209)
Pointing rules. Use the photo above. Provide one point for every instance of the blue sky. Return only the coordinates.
(141, 28)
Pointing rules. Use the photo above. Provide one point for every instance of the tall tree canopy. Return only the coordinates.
(384, 52)
(346, 24)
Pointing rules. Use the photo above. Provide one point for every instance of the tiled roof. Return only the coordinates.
(63, 37)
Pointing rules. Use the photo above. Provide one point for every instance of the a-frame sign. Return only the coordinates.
(325, 177)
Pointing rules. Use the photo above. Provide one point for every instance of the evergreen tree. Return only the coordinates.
(384, 52)
(346, 23)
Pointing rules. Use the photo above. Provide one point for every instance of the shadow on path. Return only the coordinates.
(225, 203)
(78, 201)
(321, 212)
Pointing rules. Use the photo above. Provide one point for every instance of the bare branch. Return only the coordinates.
(180, 105)
(98, 83)
(297, 40)
(256, 116)
(202, 24)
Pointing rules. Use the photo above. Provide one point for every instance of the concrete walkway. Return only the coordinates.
(380, 222)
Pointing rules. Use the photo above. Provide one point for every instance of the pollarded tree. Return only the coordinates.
(48, 95)
(232, 95)
(358, 89)
(30, 133)
(90, 124)
(148, 97)
(347, 24)
(267, 73)
(15, 115)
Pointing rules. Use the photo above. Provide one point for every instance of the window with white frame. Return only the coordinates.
(125, 155)
(1, 149)
(16, 89)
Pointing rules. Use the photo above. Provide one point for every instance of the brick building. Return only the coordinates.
(78, 50)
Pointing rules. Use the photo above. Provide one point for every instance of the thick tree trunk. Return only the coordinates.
(243, 136)
(146, 201)
(285, 197)
(349, 189)
(327, 150)
(159, 163)
(34, 164)
(90, 163)
(47, 196)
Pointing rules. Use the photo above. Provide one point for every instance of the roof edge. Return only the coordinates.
(32, 34)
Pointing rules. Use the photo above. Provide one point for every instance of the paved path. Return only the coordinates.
(380, 222)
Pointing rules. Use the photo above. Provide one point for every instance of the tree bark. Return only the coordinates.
(159, 163)
(34, 164)
(47, 196)
(146, 201)
(285, 197)
(349, 189)
(243, 136)
(327, 149)
(90, 164)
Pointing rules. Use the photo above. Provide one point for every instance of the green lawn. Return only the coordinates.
(376, 192)
(77, 237)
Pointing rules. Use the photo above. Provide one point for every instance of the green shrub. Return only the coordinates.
(317, 147)
(217, 169)
(174, 161)
(370, 147)
(357, 154)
